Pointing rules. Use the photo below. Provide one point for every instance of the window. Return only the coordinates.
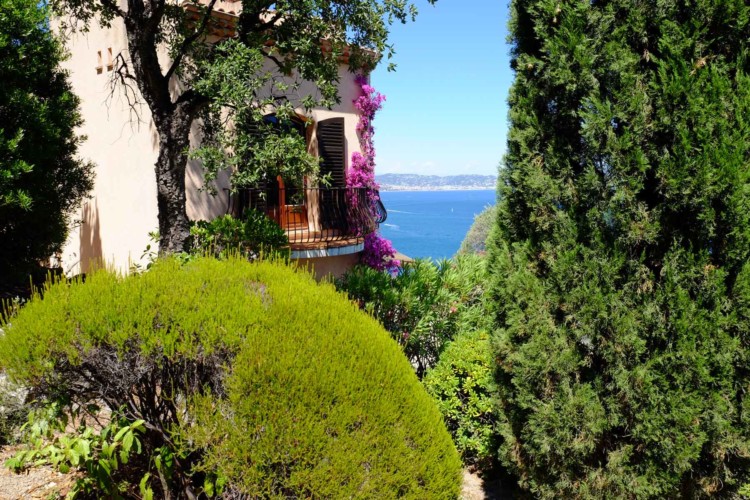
(295, 124)
(332, 150)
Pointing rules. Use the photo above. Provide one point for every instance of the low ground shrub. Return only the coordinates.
(106, 453)
(462, 383)
(425, 305)
(250, 379)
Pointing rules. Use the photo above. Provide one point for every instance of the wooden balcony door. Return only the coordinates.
(292, 209)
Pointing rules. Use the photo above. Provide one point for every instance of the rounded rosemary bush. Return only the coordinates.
(261, 381)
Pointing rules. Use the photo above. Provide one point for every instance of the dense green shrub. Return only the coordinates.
(424, 305)
(620, 259)
(462, 383)
(253, 234)
(42, 181)
(254, 378)
(475, 240)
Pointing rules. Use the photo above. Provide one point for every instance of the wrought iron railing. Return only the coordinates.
(311, 216)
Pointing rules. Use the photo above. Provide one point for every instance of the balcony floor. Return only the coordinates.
(303, 239)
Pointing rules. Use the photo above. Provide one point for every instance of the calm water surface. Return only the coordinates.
(431, 223)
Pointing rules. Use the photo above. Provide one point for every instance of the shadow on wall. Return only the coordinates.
(201, 204)
(91, 241)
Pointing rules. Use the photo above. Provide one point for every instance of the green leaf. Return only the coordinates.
(127, 442)
(120, 434)
(74, 457)
(138, 425)
(106, 466)
(208, 486)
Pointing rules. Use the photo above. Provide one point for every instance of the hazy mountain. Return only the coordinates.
(415, 182)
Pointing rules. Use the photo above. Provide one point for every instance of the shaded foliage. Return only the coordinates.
(475, 240)
(253, 235)
(13, 411)
(41, 179)
(462, 384)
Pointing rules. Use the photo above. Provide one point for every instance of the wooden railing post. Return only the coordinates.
(284, 216)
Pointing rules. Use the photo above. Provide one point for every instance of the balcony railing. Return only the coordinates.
(314, 216)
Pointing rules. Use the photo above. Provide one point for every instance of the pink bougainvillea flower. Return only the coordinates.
(378, 252)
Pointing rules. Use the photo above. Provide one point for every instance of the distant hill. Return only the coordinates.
(415, 182)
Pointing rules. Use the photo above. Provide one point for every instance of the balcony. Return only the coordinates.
(317, 221)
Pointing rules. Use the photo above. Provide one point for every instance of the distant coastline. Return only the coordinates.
(436, 188)
(416, 182)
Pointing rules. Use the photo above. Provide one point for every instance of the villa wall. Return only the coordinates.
(123, 143)
(330, 266)
(122, 210)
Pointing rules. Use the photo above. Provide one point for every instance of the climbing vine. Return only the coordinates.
(378, 252)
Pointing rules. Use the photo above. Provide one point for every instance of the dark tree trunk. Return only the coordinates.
(174, 225)
(172, 117)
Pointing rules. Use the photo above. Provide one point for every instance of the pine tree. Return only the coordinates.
(620, 253)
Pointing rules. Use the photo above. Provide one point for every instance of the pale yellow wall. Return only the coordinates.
(122, 211)
(117, 219)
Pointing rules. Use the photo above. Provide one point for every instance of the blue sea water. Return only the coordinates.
(431, 224)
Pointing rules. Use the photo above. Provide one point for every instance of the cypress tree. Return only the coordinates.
(621, 282)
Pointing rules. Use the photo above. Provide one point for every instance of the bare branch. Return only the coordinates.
(122, 78)
(187, 42)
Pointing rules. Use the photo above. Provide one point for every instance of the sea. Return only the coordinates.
(431, 224)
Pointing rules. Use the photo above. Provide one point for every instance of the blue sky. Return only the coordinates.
(446, 108)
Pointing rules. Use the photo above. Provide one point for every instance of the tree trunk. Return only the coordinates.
(172, 120)
(174, 225)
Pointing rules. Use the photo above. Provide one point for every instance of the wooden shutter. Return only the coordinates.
(332, 150)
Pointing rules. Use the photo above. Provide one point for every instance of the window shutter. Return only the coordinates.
(332, 150)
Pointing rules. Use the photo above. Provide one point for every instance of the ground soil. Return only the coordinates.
(477, 488)
(35, 484)
(44, 483)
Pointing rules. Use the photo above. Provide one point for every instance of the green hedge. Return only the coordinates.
(425, 305)
(281, 386)
(463, 386)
